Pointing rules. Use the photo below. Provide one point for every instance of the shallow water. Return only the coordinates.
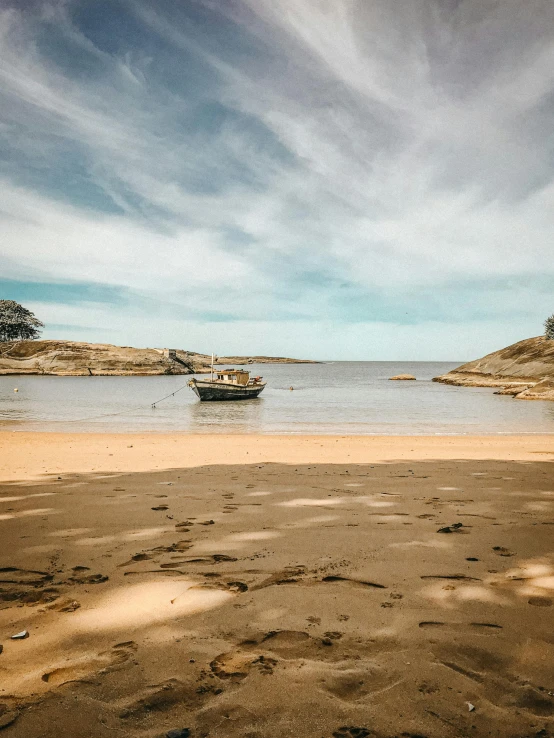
(334, 398)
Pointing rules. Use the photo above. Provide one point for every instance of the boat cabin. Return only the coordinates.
(233, 376)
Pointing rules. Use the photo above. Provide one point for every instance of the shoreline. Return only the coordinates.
(28, 454)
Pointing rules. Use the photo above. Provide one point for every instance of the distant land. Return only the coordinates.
(75, 358)
(524, 370)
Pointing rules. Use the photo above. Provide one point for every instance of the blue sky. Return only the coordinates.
(340, 179)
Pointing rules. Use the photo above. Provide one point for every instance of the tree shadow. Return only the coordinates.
(385, 596)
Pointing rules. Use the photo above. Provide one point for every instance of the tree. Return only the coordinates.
(549, 328)
(17, 323)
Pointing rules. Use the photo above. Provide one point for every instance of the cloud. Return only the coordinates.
(306, 162)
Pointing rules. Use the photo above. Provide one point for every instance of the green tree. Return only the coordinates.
(17, 323)
(549, 328)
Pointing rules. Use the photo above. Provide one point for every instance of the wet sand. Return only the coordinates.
(268, 586)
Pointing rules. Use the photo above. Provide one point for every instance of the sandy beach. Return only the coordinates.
(270, 586)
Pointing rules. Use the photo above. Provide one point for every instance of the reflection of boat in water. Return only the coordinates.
(229, 384)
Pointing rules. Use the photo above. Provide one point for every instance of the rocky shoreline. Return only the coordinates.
(524, 370)
(75, 358)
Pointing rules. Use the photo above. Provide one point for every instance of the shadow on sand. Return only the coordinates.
(269, 600)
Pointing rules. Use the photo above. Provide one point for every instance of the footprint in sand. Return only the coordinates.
(351, 682)
(88, 578)
(13, 575)
(23, 596)
(162, 697)
(532, 700)
(295, 644)
(540, 601)
(474, 663)
(137, 557)
(289, 575)
(500, 686)
(501, 551)
(237, 587)
(454, 528)
(457, 577)
(64, 605)
(26, 586)
(332, 666)
(210, 559)
(80, 668)
(359, 582)
(237, 665)
(459, 626)
(182, 545)
(349, 731)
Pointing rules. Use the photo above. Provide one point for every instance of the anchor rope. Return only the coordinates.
(170, 395)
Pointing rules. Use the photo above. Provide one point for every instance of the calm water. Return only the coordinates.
(334, 398)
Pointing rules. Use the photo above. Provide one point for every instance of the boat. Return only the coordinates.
(228, 384)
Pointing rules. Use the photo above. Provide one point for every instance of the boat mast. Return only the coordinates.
(212, 375)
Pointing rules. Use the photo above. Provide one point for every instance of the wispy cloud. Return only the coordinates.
(301, 163)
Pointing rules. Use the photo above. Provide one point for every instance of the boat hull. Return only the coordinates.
(213, 391)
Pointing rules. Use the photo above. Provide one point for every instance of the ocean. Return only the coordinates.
(342, 398)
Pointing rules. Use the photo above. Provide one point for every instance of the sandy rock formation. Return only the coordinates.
(241, 360)
(541, 391)
(402, 377)
(524, 370)
(74, 358)
(512, 390)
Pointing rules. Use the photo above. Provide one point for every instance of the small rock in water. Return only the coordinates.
(403, 377)
(20, 636)
(178, 733)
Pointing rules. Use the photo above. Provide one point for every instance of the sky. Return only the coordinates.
(328, 179)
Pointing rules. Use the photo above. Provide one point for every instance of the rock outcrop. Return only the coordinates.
(524, 370)
(241, 360)
(74, 358)
(402, 378)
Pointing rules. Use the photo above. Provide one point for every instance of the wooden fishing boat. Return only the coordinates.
(228, 384)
